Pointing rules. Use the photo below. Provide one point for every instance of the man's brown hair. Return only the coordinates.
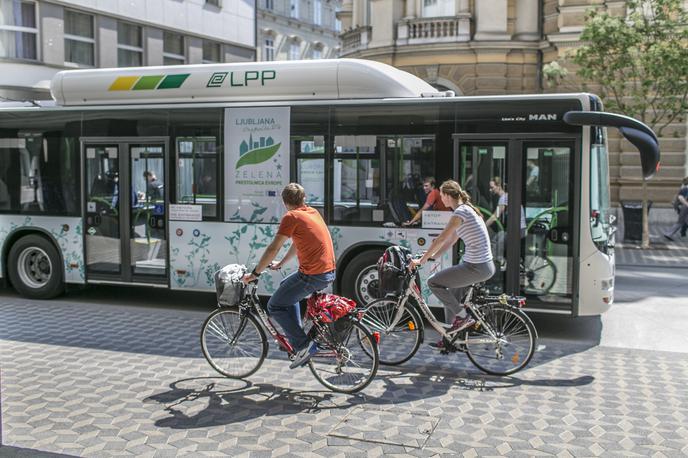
(293, 194)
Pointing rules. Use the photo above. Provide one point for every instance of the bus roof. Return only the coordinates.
(330, 79)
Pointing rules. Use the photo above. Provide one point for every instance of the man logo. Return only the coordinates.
(542, 117)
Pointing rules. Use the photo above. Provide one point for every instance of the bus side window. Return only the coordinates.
(310, 168)
(197, 148)
(356, 175)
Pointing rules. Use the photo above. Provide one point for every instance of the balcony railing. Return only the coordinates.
(356, 39)
(434, 30)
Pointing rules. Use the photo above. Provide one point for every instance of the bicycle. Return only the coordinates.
(501, 342)
(235, 344)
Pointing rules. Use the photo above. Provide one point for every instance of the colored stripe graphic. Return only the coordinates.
(142, 83)
(147, 82)
(173, 81)
(123, 83)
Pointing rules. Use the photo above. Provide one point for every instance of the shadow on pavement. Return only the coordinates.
(157, 329)
(228, 401)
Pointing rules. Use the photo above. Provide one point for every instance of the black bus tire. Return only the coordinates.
(362, 269)
(35, 268)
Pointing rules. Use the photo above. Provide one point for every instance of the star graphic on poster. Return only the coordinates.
(279, 166)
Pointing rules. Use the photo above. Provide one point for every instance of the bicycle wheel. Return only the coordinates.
(509, 349)
(401, 343)
(233, 343)
(540, 274)
(341, 364)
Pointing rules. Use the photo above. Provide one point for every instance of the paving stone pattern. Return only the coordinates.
(94, 380)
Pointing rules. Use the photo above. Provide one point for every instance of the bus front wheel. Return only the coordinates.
(34, 268)
(360, 280)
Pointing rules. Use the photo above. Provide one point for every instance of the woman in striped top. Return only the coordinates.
(476, 264)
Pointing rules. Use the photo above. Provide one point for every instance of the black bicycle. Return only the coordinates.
(235, 344)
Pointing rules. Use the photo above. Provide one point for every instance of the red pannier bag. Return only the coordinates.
(328, 308)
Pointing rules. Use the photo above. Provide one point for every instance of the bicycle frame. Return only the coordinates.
(412, 290)
(255, 308)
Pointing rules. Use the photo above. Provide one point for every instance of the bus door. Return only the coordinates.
(125, 210)
(532, 178)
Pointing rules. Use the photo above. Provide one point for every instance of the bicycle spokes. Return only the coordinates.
(505, 345)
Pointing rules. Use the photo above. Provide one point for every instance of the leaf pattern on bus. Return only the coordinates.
(336, 234)
(257, 156)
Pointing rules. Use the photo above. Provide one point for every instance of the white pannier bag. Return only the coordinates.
(228, 284)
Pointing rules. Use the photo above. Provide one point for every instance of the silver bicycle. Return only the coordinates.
(501, 342)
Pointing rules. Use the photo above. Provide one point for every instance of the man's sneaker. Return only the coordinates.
(302, 356)
(462, 323)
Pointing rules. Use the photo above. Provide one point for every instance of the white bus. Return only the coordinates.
(161, 175)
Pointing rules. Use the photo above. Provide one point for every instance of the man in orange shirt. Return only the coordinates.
(432, 201)
(312, 244)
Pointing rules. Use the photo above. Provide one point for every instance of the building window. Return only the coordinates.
(316, 53)
(18, 30)
(438, 8)
(173, 49)
(129, 45)
(213, 2)
(269, 4)
(294, 51)
(212, 52)
(317, 12)
(269, 49)
(294, 8)
(79, 39)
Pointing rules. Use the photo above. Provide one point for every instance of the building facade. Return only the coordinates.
(40, 38)
(297, 29)
(480, 47)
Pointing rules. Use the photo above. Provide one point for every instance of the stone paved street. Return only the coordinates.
(88, 376)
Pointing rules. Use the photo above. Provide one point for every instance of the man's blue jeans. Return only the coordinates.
(283, 306)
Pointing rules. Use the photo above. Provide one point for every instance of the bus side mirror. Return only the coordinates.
(639, 134)
(648, 147)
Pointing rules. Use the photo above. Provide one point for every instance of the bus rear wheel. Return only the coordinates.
(34, 268)
(359, 281)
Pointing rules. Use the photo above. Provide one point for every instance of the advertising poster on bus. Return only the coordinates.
(257, 163)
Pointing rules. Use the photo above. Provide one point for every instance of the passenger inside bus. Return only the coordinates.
(432, 201)
(154, 187)
(499, 189)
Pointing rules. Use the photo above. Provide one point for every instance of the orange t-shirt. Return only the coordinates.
(435, 201)
(308, 231)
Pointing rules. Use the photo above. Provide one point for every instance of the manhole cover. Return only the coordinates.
(386, 426)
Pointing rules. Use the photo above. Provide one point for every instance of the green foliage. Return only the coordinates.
(639, 61)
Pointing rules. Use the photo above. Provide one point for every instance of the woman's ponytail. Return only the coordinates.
(454, 190)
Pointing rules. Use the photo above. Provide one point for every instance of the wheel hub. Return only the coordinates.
(367, 284)
(34, 267)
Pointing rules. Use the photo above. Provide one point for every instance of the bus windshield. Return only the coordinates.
(601, 220)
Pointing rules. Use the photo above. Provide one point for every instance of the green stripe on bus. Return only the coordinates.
(173, 81)
(147, 82)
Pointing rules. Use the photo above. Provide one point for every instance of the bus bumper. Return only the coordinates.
(596, 286)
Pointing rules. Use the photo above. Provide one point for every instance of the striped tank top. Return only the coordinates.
(474, 234)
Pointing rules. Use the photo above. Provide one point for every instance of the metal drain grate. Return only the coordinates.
(394, 426)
